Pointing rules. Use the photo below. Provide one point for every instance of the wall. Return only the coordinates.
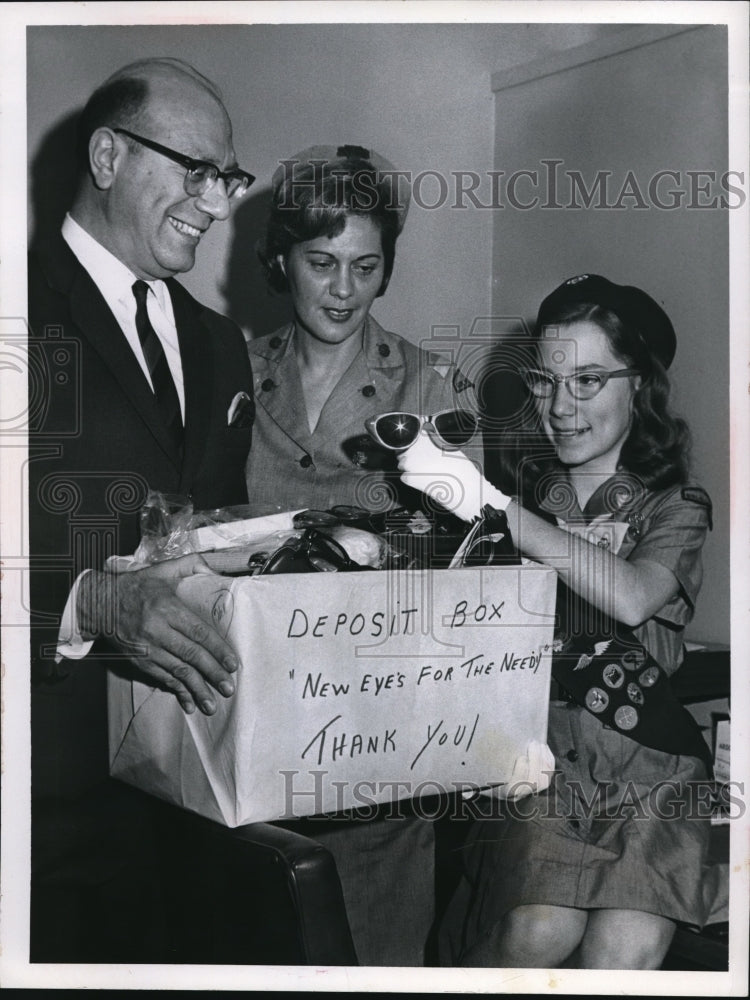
(418, 94)
(656, 106)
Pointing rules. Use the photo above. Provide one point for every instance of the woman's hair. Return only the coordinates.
(317, 198)
(657, 448)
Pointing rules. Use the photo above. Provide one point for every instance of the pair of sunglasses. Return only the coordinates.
(341, 514)
(313, 552)
(398, 430)
(489, 542)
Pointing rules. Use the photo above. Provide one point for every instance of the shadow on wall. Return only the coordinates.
(507, 410)
(250, 302)
(53, 178)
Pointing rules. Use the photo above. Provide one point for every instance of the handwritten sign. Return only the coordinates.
(353, 689)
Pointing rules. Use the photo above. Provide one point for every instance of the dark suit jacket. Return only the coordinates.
(96, 445)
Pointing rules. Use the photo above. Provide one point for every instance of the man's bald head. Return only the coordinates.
(165, 67)
(122, 101)
(136, 200)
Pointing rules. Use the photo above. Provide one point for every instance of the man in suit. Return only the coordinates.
(146, 390)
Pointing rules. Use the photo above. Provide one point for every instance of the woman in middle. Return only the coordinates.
(330, 242)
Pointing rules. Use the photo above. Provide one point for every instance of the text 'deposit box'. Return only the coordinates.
(353, 688)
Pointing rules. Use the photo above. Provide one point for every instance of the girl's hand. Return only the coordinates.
(448, 477)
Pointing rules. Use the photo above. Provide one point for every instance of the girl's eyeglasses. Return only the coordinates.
(580, 385)
(398, 430)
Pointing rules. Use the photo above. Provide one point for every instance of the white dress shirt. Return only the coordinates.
(115, 282)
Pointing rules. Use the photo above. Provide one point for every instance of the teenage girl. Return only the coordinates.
(597, 870)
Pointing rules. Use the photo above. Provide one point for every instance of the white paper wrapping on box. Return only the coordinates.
(353, 688)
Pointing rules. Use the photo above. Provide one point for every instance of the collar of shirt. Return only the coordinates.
(115, 282)
(617, 496)
(381, 349)
(600, 522)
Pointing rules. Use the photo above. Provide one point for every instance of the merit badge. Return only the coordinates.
(633, 659)
(613, 675)
(460, 382)
(596, 700)
(635, 694)
(626, 717)
(649, 677)
(635, 524)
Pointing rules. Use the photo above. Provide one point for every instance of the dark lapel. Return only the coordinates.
(94, 320)
(197, 373)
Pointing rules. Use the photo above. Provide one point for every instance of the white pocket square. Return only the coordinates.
(241, 411)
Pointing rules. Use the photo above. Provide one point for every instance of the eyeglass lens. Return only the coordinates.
(455, 427)
(398, 430)
(202, 178)
(582, 385)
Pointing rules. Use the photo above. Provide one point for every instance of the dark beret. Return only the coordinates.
(630, 304)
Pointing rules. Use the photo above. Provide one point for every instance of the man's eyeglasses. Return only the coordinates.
(580, 385)
(398, 430)
(200, 175)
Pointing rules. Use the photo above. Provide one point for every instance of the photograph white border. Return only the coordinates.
(14, 968)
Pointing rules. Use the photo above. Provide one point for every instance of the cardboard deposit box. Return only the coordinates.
(353, 688)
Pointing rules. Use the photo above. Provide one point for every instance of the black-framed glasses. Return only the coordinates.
(313, 552)
(200, 176)
(580, 385)
(399, 430)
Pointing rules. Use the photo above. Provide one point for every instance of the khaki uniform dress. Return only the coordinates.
(620, 825)
(386, 864)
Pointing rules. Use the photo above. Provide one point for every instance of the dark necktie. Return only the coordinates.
(161, 377)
